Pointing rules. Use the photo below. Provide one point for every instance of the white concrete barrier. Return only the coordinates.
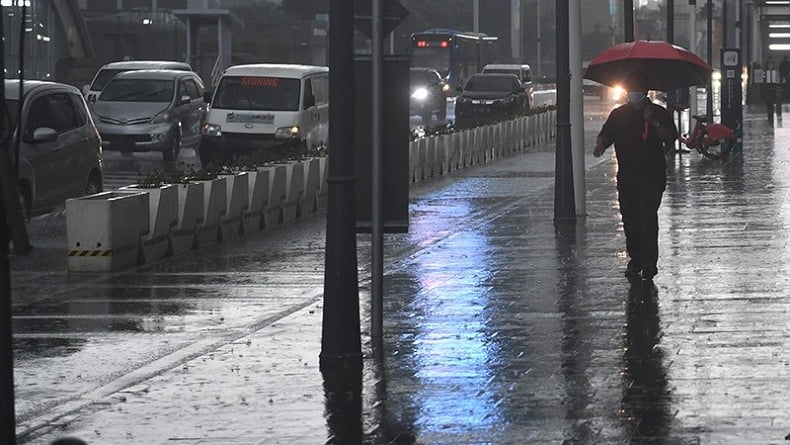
(162, 217)
(237, 189)
(103, 231)
(258, 189)
(273, 214)
(312, 185)
(294, 192)
(215, 202)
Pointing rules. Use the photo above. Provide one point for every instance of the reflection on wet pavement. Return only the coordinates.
(500, 326)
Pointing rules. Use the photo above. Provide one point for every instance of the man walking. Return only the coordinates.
(639, 131)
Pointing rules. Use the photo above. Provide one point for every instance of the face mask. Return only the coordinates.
(636, 97)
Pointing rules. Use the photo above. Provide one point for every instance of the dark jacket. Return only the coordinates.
(641, 164)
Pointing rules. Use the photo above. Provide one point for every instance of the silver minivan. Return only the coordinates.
(60, 150)
(109, 70)
(151, 110)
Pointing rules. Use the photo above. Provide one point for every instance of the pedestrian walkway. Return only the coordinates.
(502, 328)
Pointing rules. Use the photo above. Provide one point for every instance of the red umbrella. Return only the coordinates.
(667, 66)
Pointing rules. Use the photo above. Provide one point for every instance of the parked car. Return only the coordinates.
(60, 150)
(109, 70)
(428, 94)
(151, 110)
(267, 107)
(489, 96)
(522, 71)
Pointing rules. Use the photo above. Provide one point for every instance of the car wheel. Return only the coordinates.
(94, 185)
(173, 147)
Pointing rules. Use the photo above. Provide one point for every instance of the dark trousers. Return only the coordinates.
(639, 209)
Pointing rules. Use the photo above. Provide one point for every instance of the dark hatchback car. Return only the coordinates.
(427, 94)
(489, 96)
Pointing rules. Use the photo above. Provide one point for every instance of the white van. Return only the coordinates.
(522, 71)
(266, 107)
(108, 71)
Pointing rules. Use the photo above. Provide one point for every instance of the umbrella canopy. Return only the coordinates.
(667, 66)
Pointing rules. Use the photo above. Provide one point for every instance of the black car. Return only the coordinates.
(427, 94)
(489, 96)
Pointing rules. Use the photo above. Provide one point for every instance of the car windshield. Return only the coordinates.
(502, 71)
(490, 83)
(258, 93)
(138, 90)
(103, 77)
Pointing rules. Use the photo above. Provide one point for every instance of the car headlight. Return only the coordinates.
(446, 88)
(212, 130)
(420, 94)
(161, 118)
(287, 132)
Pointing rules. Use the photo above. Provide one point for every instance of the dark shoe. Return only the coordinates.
(648, 272)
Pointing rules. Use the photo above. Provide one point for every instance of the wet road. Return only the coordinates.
(499, 328)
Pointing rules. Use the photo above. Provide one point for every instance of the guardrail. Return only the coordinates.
(112, 231)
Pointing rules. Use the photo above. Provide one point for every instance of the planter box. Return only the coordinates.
(103, 231)
(237, 192)
(294, 180)
(190, 217)
(163, 218)
(215, 204)
(312, 185)
(323, 194)
(258, 185)
(273, 213)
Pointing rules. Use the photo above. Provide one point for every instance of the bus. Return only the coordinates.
(454, 54)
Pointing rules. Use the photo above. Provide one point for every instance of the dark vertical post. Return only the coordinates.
(709, 85)
(340, 336)
(377, 225)
(564, 199)
(724, 24)
(671, 21)
(7, 414)
(628, 19)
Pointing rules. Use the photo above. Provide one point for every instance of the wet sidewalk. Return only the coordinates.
(502, 329)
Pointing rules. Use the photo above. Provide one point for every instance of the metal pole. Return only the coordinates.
(537, 28)
(7, 426)
(693, 49)
(564, 200)
(671, 21)
(577, 106)
(724, 34)
(476, 15)
(628, 18)
(377, 229)
(340, 335)
(709, 85)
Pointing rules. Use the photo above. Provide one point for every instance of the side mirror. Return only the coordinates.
(44, 134)
(459, 89)
(207, 96)
(85, 89)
